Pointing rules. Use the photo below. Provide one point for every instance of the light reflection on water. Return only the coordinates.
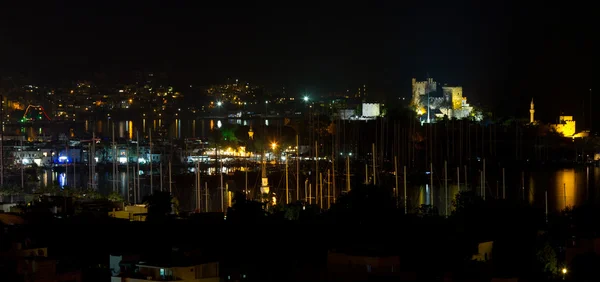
(566, 187)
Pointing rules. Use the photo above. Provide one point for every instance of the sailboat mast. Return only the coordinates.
(347, 174)
(431, 182)
(405, 205)
(137, 172)
(151, 174)
(206, 196)
(221, 172)
(93, 159)
(328, 190)
(74, 172)
(316, 169)
(310, 193)
(198, 188)
(446, 185)
(366, 173)
(22, 174)
(297, 169)
(321, 190)
(396, 176)
(374, 166)
(127, 170)
(503, 185)
(114, 145)
(287, 192)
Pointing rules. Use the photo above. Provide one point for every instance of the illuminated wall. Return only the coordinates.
(452, 103)
(565, 126)
(420, 89)
(454, 95)
(370, 110)
(346, 114)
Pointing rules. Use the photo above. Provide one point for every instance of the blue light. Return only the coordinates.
(62, 180)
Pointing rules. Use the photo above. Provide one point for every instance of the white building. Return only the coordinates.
(205, 272)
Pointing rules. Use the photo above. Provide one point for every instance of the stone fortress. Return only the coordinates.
(430, 105)
(566, 125)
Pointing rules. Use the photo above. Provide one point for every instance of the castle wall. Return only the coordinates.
(566, 126)
(455, 95)
(420, 89)
(451, 104)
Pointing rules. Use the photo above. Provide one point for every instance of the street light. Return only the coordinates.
(273, 145)
(305, 98)
(219, 103)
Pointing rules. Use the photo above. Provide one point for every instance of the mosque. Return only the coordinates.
(566, 125)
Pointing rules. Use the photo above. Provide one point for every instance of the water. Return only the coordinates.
(567, 187)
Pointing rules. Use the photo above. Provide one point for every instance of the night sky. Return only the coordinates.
(502, 53)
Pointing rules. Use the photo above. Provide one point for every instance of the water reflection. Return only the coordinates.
(193, 128)
(565, 188)
(532, 190)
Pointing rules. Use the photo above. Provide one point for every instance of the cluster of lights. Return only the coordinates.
(230, 152)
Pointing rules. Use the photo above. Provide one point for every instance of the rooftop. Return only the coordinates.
(11, 219)
(175, 263)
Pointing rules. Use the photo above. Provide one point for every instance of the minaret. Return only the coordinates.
(531, 112)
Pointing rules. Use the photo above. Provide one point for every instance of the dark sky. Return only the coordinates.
(502, 52)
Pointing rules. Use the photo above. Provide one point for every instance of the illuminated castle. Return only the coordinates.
(565, 126)
(425, 101)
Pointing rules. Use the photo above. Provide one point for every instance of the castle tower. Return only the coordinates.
(531, 112)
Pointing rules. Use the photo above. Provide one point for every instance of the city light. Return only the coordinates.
(219, 103)
(305, 98)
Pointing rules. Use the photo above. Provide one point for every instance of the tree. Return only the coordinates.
(115, 197)
(159, 205)
(50, 189)
(465, 201)
(546, 258)
(364, 204)
(89, 194)
(11, 190)
(426, 210)
(68, 192)
(244, 211)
